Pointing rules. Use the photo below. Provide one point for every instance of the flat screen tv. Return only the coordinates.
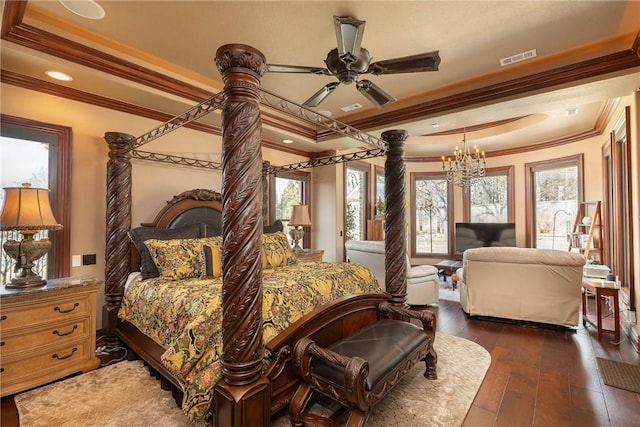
(480, 234)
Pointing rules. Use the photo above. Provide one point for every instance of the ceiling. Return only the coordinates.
(157, 57)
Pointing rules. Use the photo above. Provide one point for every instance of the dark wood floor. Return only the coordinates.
(538, 377)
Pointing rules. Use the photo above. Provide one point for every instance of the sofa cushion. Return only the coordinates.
(524, 256)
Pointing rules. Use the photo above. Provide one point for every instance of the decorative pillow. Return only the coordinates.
(179, 258)
(276, 250)
(139, 235)
(211, 260)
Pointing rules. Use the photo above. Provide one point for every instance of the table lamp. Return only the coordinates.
(299, 218)
(28, 211)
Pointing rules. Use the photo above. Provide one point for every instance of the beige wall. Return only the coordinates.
(154, 184)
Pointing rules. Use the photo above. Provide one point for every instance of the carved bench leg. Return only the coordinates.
(357, 418)
(299, 403)
(431, 360)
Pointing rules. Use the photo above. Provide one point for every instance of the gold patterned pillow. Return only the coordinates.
(178, 258)
(211, 260)
(276, 250)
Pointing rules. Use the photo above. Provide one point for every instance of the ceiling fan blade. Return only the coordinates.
(320, 95)
(409, 64)
(349, 33)
(374, 93)
(278, 68)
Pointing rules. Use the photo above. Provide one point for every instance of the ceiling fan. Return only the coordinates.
(349, 61)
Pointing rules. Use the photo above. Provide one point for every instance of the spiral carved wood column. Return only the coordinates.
(118, 224)
(394, 227)
(241, 398)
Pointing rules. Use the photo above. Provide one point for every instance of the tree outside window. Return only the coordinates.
(488, 199)
(289, 193)
(356, 203)
(431, 211)
(22, 161)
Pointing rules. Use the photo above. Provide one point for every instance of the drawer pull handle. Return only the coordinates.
(55, 356)
(67, 311)
(64, 334)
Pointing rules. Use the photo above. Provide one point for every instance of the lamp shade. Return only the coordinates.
(27, 208)
(300, 216)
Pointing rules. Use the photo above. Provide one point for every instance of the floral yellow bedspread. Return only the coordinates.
(185, 316)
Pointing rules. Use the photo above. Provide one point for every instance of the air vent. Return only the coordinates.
(351, 107)
(572, 112)
(518, 57)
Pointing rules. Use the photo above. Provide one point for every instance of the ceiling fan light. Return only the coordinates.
(349, 33)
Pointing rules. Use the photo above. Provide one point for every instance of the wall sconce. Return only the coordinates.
(27, 210)
(299, 218)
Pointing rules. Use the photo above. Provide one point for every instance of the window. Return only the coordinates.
(44, 157)
(554, 189)
(380, 191)
(291, 190)
(430, 213)
(356, 201)
(490, 197)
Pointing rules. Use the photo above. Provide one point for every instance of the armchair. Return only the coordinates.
(423, 284)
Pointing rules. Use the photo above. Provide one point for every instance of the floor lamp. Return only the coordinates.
(553, 236)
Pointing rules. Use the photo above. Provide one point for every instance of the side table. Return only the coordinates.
(309, 255)
(601, 288)
(48, 332)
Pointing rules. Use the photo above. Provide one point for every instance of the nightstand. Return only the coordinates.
(310, 255)
(47, 333)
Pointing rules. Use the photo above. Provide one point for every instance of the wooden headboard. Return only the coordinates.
(199, 206)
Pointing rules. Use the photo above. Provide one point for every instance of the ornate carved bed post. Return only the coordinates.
(118, 224)
(241, 398)
(394, 227)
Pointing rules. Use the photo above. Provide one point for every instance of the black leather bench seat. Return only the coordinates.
(384, 344)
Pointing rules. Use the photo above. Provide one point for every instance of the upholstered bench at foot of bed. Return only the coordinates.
(358, 370)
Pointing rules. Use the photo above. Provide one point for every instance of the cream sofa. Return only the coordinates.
(537, 285)
(423, 284)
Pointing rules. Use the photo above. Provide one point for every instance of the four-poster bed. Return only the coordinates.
(247, 393)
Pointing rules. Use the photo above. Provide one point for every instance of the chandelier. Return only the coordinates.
(465, 165)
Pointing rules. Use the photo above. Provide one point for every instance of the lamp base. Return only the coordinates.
(26, 282)
(27, 251)
(296, 234)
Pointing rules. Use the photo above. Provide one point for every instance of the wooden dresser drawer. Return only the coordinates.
(47, 332)
(56, 310)
(41, 368)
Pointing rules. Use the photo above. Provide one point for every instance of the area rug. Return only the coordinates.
(124, 394)
(619, 374)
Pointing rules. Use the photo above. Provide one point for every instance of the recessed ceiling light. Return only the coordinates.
(435, 125)
(86, 8)
(59, 76)
(287, 141)
(571, 112)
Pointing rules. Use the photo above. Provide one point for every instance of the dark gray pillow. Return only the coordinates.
(139, 235)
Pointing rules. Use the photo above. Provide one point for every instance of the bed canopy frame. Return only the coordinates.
(244, 386)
